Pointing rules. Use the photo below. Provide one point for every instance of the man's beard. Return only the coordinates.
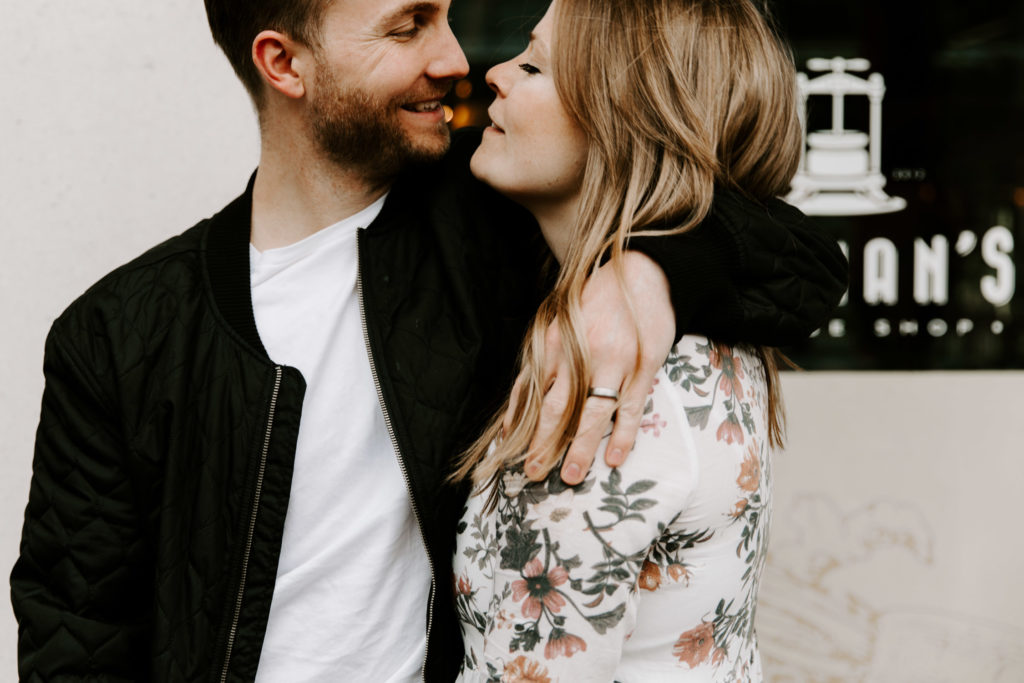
(356, 130)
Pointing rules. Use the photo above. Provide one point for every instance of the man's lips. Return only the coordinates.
(426, 102)
(423, 107)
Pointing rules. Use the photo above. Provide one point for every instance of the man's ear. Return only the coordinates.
(281, 62)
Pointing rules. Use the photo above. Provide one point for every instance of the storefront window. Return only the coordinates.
(929, 200)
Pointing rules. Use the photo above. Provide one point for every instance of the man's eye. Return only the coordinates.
(529, 68)
(408, 33)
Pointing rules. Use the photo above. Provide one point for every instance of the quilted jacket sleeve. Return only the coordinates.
(751, 273)
(78, 587)
(760, 274)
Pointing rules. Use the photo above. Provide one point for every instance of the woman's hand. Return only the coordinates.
(613, 349)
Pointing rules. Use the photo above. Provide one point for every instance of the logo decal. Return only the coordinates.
(840, 170)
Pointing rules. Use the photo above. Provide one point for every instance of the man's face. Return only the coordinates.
(383, 67)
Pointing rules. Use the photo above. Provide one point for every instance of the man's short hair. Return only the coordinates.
(236, 23)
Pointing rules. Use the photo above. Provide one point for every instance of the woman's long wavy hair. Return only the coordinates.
(675, 97)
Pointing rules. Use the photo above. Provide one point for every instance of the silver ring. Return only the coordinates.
(603, 392)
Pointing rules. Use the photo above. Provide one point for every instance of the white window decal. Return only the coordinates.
(840, 170)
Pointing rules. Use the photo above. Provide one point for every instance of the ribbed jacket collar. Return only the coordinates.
(227, 255)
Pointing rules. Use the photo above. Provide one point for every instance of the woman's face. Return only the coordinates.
(533, 152)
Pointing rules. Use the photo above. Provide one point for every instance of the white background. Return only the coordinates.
(896, 549)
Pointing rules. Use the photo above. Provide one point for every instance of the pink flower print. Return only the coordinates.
(750, 471)
(730, 382)
(563, 644)
(694, 646)
(679, 573)
(539, 589)
(524, 670)
(650, 576)
(723, 359)
(730, 430)
(653, 423)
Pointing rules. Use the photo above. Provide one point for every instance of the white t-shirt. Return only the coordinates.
(353, 582)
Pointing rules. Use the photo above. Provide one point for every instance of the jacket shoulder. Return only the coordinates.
(124, 316)
(173, 263)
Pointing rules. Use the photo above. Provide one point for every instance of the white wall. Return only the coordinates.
(121, 124)
(896, 553)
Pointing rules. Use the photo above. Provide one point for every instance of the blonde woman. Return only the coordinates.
(618, 118)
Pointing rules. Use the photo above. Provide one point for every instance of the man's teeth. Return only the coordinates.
(423, 107)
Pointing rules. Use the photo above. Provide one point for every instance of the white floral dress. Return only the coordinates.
(644, 573)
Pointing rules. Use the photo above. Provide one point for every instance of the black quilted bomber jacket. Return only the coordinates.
(165, 447)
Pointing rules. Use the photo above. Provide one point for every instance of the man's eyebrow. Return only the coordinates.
(410, 8)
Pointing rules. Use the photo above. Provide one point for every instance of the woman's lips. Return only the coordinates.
(494, 125)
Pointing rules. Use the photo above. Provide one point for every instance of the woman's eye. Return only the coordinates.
(529, 68)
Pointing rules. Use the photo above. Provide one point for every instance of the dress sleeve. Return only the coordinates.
(78, 588)
(571, 558)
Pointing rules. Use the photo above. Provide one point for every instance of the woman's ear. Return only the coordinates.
(281, 61)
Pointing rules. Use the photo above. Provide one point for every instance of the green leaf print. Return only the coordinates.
(606, 620)
(521, 546)
(642, 486)
(698, 417)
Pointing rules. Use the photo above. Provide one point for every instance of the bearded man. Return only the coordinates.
(246, 432)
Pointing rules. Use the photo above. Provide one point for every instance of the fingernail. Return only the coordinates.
(572, 473)
(615, 457)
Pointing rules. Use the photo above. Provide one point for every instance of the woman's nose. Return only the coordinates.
(497, 78)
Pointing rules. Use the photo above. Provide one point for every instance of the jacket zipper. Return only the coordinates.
(394, 443)
(252, 524)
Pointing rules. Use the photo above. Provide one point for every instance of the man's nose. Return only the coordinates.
(449, 61)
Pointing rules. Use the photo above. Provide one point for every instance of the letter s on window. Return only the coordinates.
(996, 248)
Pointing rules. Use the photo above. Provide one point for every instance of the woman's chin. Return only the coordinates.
(481, 165)
(477, 165)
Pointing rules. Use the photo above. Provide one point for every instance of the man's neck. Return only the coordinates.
(298, 193)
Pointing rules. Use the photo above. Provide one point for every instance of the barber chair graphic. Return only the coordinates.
(840, 171)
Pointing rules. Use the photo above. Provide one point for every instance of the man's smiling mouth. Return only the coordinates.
(423, 107)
